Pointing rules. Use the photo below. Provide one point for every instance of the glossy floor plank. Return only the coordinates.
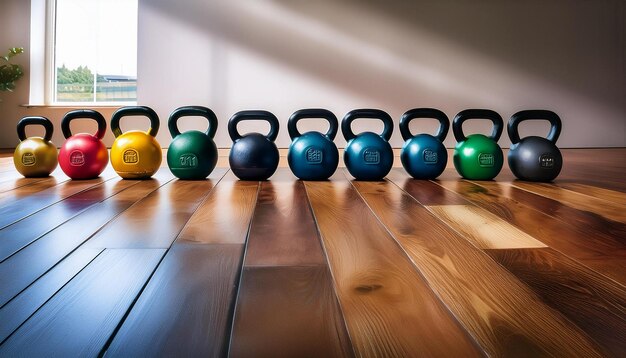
(388, 307)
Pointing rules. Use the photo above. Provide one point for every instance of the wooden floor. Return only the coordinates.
(285, 268)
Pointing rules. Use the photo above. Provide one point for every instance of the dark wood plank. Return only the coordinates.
(288, 311)
(31, 186)
(592, 302)
(283, 231)
(388, 307)
(603, 253)
(226, 211)
(504, 316)
(156, 221)
(19, 309)
(21, 269)
(81, 317)
(185, 308)
(16, 236)
(16, 210)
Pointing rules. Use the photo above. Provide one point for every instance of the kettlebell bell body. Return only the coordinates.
(83, 155)
(253, 156)
(192, 155)
(477, 156)
(535, 158)
(135, 154)
(35, 156)
(313, 155)
(368, 156)
(424, 156)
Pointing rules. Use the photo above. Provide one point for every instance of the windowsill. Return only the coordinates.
(79, 105)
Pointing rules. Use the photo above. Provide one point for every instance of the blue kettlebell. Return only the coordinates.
(313, 155)
(423, 155)
(368, 156)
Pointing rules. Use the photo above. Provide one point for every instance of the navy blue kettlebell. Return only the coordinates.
(368, 156)
(424, 156)
(535, 158)
(253, 156)
(313, 155)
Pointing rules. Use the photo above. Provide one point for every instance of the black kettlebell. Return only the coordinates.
(535, 158)
(253, 156)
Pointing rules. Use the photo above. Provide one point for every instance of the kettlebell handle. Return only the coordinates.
(313, 113)
(84, 113)
(249, 116)
(35, 120)
(444, 122)
(346, 123)
(534, 114)
(135, 111)
(188, 111)
(493, 116)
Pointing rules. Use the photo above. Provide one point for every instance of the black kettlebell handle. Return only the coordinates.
(346, 123)
(444, 122)
(250, 116)
(35, 120)
(493, 116)
(189, 111)
(534, 114)
(313, 113)
(135, 111)
(84, 113)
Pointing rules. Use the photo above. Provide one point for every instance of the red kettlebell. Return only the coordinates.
(83, 155)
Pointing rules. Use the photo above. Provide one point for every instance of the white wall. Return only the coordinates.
(282, 55)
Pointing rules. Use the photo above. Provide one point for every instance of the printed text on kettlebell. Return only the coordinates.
(546, 161)
(28, 159)
(313, 155)
(430, 156)
(77, 158)
(130, 156)
(188, 160)
(486, 160)
(371, 156)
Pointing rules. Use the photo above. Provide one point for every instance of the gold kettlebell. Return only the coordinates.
(35, 156)
(135, 154)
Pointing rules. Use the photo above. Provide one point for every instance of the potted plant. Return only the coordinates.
(10, 72)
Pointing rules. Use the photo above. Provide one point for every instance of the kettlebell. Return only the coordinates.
(424, 156)
(135, 154)
(477, 157)
(535, 158)
(35, 156)
(83, 155)
(193, 154)
(368, 156)
(253, 156)
(313, 155)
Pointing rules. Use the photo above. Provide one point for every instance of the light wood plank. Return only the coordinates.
(81, 317)
(504, 316)
(609, 210)
(483, 229)
(227, 211)
(388, 307)
(613, 196)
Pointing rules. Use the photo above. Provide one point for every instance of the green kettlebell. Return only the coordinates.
(192, 155)
(478, 157)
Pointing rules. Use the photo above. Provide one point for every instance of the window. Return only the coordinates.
(94, 56)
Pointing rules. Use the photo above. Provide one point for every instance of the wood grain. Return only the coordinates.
(388, 307)
(16, 236)
(613, 196)
(504, 316)
(81, 317)
(185, 308)
(283, 231)
(19, 309)
(592, 302)
(483, 229)
(227, 211)
(288, 311)
(155, 221)
(603, 254)
(609, 210)
(21, 269)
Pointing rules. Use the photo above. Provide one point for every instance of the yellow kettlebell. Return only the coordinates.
(35, 156)
(135, 154)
